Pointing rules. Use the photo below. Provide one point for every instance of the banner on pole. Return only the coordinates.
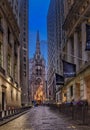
(59, 79)
(87, 37)
(69, 69)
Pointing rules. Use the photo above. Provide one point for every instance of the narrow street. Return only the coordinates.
(42, 118)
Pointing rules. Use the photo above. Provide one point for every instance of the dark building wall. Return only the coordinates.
(24, 51)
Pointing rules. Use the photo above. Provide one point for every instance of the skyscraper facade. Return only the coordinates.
(37, 75)
(10, 90)
(24, 61)
(54, 35)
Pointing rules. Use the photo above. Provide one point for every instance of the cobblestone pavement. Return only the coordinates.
(42, 118)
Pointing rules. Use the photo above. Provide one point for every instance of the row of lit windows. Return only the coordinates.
(9, 65)
(9, 58)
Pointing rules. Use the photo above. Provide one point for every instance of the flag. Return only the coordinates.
(87, 37)
(59, 79)
(69, 69)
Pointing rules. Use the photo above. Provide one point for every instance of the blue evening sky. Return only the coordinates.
(38, 21)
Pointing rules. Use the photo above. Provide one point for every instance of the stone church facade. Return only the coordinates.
(37, 75)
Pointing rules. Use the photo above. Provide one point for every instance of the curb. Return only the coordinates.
(4, 121)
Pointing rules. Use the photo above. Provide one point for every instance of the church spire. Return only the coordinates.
(37, 43)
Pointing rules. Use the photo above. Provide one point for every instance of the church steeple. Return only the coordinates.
(38, 44)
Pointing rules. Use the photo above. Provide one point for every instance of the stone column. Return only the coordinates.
(12, 56)
(69, 57)
(83, 33)
(5, 44)
(83, 89)
(18, 65)
(68, 94)
(74, 91)
(76, 49)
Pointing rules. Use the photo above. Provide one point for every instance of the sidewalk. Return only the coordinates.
(7, 119)
(42, 118)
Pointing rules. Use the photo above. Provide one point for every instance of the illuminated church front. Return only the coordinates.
(37, 75)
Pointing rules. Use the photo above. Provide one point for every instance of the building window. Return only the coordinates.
(15, 71)
(15, 49)
(24, 59)
(1, 55)
(24, 45)
(11, 94)
(24, 66)
(24, 53)
(71, 91)
(16, 96)
(1, 28)
(25, 73)
(40, 72)
(36, 72)
(9, 64)
(8, 35)
(24, 39)
(24, 33)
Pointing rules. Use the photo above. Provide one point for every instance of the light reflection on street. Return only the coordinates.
(42, 118)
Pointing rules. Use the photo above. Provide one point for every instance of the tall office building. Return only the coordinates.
(10, 91)
(24, 51)
(37, 75)
(54, 35)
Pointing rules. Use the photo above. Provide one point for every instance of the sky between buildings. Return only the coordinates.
(38, 21)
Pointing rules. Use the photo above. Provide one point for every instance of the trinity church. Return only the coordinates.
(37, 75)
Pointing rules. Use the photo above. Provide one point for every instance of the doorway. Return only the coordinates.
(3, 100)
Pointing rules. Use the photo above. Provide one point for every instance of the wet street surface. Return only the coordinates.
(42, 118)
